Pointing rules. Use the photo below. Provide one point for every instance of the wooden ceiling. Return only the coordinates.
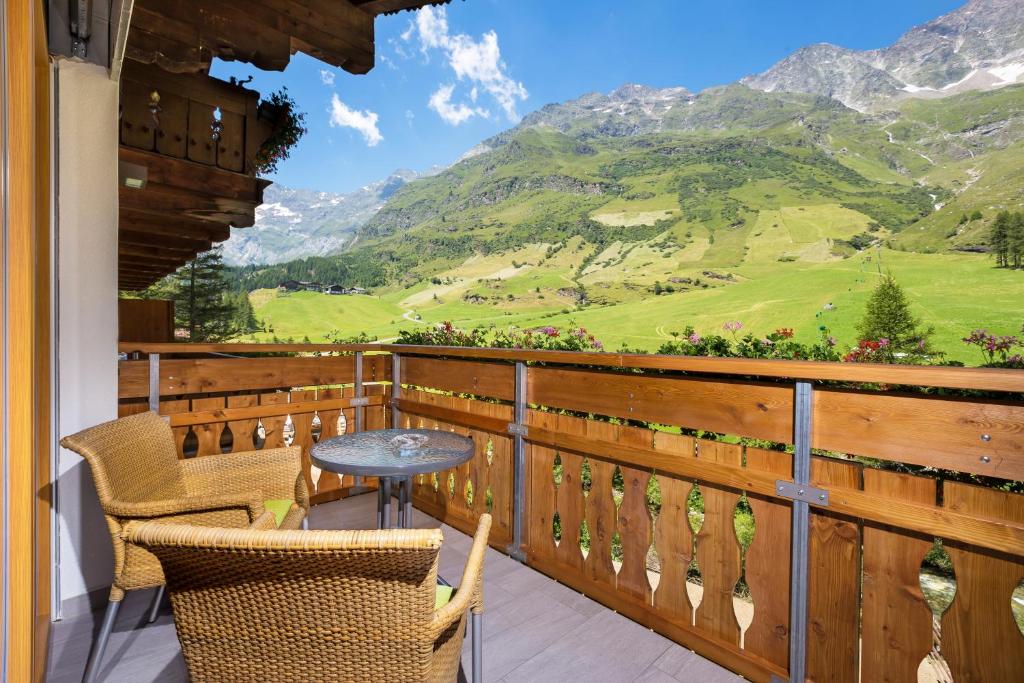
(198, 139)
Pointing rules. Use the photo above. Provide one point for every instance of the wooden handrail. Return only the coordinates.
(981, 379)
(173, 347)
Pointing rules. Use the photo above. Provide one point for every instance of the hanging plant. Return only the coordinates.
(287, 126)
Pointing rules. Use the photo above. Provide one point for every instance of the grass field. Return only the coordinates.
(953, 293)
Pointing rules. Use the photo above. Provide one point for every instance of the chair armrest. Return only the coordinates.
(265, 522)
(181, 506)
(270, 473)
(469, 594)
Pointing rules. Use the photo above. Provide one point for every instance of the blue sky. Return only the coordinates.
(448, 78)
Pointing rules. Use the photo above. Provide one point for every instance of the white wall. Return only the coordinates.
(87, 142)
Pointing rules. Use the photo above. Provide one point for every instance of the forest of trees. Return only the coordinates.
(1007, 239)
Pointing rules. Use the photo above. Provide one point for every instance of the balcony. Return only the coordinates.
(591, 464)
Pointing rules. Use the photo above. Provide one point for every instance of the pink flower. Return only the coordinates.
(733, 326)
(695, 338)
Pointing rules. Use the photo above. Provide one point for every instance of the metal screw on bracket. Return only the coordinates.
(821, 496)
(986, 437)
(800, 492)
(986, 459)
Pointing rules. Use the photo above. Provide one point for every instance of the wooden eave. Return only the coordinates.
(183, 210)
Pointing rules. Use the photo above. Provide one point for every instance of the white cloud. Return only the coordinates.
(453, 113)
(327, 77)
(363, 122)
(477, 62)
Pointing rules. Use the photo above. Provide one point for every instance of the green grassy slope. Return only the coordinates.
(749, 206)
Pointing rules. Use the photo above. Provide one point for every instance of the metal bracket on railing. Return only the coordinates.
(359, 402)
(154, 382)
(803, 493)
(518, 430)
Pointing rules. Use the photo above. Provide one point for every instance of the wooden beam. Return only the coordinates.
(149, 222)
(176, 242)
(184, 35)
(202, 179)
(376, 7)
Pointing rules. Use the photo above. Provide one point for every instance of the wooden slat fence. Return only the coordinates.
(633, 475)
(230, 405)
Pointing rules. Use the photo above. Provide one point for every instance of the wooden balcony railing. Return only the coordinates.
(590, 464)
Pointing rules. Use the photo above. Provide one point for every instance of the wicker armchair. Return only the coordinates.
(315, 605)
(138, 475)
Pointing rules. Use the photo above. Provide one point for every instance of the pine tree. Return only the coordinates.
(243, 317)
(1015, 240)
(201, 304)
(888, 317)
(999, 241)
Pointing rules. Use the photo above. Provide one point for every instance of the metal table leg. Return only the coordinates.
(405, 501)
(384, 494)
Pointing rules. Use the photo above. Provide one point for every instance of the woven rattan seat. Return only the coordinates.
(252, 605)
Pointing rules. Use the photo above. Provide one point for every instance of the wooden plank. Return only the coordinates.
(570, 503)
(634, 520)
(274, 425)
(601, 512)
(208, 434)
(145, 319)
(243, 429)
(201, 148)
(896, 629)
(231, 145)
(172, 131)
(768, 562)
(477, 421)
(540, 491)
(205, 375)
(484, 379)
(138, 129)
(748, 409)
(240, 348)
(988, 379)
(227, 414)
(943, 433)
(834, 581)
(980, 640)
(718, 550)
(673, 536)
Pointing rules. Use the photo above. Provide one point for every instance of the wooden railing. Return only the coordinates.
(621, 475)
(191, 116)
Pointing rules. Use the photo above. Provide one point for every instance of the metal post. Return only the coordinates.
(518, 429)
(385, 496)
(800, 564)
(357, 389)
(154, 382)
(396, 388)
(477, 620)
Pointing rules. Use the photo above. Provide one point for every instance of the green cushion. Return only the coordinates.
(442, 596)
(280, 508)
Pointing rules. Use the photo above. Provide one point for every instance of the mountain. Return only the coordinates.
(295, 223)
(979, 46)
(600, 198)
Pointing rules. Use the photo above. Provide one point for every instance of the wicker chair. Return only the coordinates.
(138, 475)
(316, 605)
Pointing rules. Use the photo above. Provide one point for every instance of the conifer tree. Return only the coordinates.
(201, 304)
(888, 318)
(999, 240)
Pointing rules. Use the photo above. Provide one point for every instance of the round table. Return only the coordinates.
(381, 454)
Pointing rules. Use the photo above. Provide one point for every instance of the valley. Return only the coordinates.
(641, 211)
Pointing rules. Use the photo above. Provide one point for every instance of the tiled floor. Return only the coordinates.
(535, 629)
